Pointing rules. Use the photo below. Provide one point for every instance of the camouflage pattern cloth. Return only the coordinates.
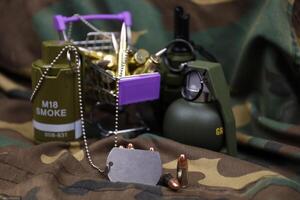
(257, 43)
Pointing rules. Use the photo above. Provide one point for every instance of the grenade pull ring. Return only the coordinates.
(193, 85)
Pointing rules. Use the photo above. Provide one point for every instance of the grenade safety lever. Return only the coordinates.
(218, 88)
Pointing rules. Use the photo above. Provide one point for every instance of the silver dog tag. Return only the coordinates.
(134, 166)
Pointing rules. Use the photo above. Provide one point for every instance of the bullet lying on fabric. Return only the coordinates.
(169, 181)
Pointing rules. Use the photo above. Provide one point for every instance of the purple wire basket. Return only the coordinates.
(100, 84)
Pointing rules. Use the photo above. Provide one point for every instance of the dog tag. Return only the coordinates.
(134, 166)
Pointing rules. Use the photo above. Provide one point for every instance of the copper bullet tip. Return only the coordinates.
(182, 161)
(174, 184)
(182, 157)
(130, 146)
(169, 181)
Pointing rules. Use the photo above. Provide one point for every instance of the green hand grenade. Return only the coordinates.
(203, 116)
(55, 104)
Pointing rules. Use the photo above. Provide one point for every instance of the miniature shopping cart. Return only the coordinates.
(132, 89)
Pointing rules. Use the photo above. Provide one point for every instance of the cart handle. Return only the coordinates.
(61, 21)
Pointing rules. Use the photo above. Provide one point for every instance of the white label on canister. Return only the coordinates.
(73, 126)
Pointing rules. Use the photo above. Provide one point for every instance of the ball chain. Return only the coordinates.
(38, 85)
(80, 99)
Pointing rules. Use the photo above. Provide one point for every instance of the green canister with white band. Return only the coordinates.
(55, 104)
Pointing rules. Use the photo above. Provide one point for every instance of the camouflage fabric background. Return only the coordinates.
(256, 41)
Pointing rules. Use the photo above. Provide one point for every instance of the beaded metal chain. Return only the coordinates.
(70, 48)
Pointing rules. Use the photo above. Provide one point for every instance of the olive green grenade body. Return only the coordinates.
(55, 105)
(194, 123)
